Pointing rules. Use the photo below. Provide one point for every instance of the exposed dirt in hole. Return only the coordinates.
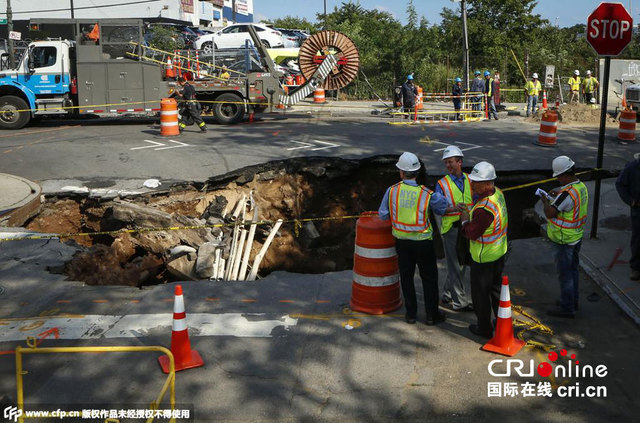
(576, 114)
(294, 189)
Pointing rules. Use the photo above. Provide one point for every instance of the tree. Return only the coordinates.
(293, 22)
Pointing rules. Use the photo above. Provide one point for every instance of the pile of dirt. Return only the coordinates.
(580, 114)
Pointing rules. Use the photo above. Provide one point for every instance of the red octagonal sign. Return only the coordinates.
(609, 29)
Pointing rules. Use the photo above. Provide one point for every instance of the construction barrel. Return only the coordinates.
(627, 128)
(548, 128)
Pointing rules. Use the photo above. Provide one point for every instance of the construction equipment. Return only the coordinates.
(118, 73)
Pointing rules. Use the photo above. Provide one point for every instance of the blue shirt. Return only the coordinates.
(438, 202)
(458, 180)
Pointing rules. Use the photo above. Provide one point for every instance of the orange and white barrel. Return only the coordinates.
(289, 80)
(548, 129)
(419, 102)
(376, 279)
(627, 128)
(318, 96)
(169, 117)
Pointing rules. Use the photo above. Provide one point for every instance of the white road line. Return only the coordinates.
(155, 144)
(305, 145)
(329, 145)
(141, 325)
(175, 146)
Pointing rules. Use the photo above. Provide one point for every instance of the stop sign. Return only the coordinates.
(609, 29)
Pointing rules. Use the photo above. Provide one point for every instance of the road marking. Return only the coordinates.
(470, 146)
(142, 325)
(161, 146)
(310, 145)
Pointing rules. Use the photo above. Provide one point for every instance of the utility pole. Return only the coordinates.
(233, 11)
(325, 15)
(71, 4)
(12, 57)
(465, 54)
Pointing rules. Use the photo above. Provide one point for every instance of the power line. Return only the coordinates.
(66, 9)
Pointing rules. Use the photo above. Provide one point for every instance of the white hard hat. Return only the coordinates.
(408, 162)
(592, 101)
(561, 164)
(451, 151)
(588, 72)
(576, 72)
(535, 75)
(483, 171)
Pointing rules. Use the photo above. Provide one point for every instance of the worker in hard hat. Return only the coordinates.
(407, 204)
(531, 90)
(566, 216)
(574, 86)
(489, 87)
(190, 112)
(593, 104)
(485, 225)
(457, 93)
(477, 86)
(628, 187)
(589, 87)
(455, 187)
(409, 93)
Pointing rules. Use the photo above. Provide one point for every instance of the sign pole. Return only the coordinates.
(603, 123)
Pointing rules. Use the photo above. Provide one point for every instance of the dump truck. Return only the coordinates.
(108, 69)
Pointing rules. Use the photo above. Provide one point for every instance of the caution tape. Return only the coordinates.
(297, 222)
(297, 225)
(533, 325)
(542, 181)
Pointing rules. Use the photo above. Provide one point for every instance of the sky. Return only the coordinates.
(563, 12)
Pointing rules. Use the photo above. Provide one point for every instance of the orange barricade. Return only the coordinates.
(169, 117)
(376, 280)
(318, 96)
(627, 129)
(289, 80)
(419, 103)
(548, 128)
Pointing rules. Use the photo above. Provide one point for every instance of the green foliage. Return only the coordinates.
(293, 22)
(390, 50)
(165, 38)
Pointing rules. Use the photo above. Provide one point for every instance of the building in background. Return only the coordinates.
(213, 13)
(243, 9)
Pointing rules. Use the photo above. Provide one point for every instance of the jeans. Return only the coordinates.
(567, 259)
(492, 108)
(421, 253)
(531, 104)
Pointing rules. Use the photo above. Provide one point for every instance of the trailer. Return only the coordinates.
(106, 68)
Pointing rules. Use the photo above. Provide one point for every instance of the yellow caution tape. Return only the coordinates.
(530, 326)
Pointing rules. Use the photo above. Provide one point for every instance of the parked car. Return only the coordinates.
(182, 31)
(236, 35)
(291, 38)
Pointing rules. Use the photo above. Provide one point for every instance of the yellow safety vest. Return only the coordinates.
(454, 196)
(574, 83)
(533, 89)
(589, 84)
(568, 227)
(409, 209)
(493, 243)
(489, 87)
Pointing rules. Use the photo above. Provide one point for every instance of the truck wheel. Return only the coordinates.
(230, 112)
(10, 115)
(207, 48)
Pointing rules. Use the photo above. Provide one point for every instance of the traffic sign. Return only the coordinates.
(3, 21)
(609, 29)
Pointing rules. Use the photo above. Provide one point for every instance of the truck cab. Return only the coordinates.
(40, 84)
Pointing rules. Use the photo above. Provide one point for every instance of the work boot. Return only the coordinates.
(203, 129)
(635, 275)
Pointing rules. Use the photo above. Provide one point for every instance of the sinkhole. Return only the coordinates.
(309, 194)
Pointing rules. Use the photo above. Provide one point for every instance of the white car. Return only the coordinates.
(235, 36)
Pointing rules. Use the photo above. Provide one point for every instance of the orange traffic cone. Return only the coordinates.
(503, 342)
(185, 357)
(624, 101)
(544, 99)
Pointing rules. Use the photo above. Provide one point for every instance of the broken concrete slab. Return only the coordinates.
(184, 267)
